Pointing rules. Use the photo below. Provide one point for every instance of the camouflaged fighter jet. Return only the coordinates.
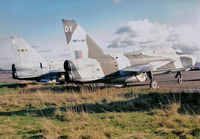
(30, 65)
(89, 64)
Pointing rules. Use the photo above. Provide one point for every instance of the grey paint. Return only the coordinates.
(69, 33)
(93, 65)
(108, 63)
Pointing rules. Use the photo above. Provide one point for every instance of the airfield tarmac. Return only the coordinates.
(191, 81)
(7, 77)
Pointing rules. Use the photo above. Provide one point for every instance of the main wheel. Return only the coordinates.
(153, 84)
(180, 80)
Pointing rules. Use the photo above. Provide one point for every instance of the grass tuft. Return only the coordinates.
(64, 112)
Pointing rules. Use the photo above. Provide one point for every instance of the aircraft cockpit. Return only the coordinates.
(178, 50)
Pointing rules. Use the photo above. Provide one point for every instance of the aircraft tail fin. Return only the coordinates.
(23, 51)
(79, 42)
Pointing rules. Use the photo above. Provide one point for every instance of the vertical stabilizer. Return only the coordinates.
(79, 42)
(23, 51)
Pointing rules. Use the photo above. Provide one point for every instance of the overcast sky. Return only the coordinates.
(115, 24)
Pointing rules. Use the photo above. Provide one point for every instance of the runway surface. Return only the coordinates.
(7, 77)
(191, 81)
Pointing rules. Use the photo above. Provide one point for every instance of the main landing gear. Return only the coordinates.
(153, 83)
(179, 76)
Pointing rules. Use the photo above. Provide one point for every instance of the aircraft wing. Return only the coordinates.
(151, 66)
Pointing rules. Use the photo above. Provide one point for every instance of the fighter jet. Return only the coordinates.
(89, 64)
(29, 65)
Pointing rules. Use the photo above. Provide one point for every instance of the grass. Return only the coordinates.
(6, 88)
(58, 111)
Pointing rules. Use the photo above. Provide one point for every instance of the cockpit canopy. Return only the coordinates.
(178, 50)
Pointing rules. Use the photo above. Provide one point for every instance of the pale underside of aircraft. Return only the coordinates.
(89, 64)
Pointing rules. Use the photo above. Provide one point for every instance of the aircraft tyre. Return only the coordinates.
(153, 84)
(180, 80)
